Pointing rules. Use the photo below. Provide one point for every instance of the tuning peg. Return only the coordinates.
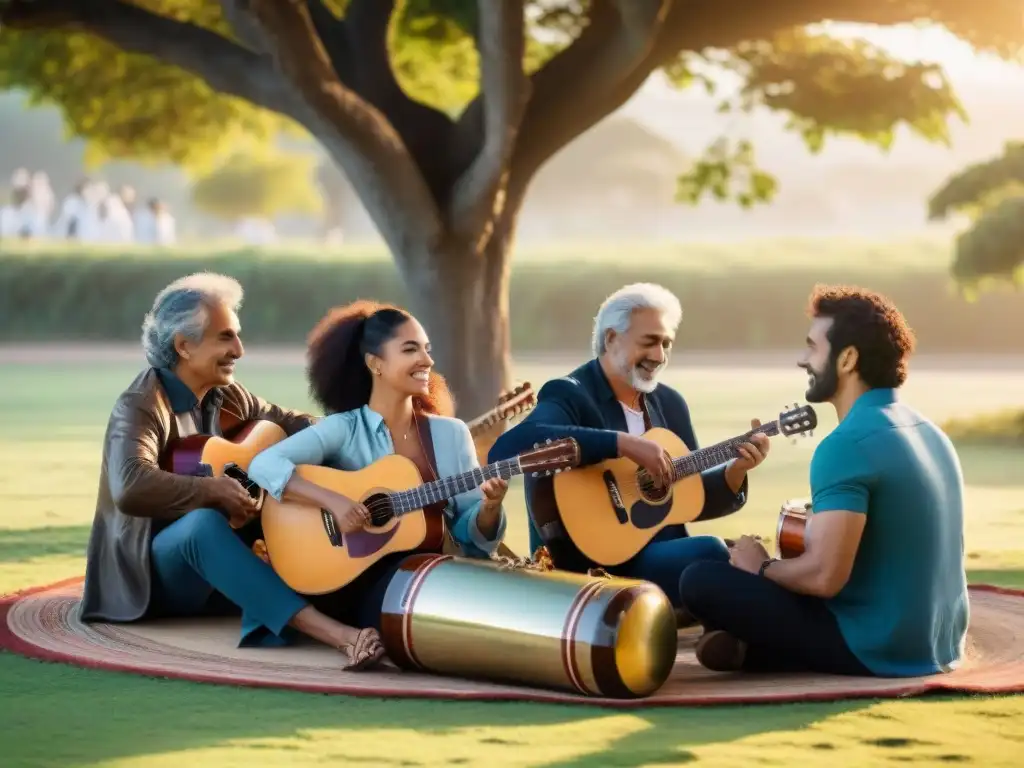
(548, 441)
(536, 445)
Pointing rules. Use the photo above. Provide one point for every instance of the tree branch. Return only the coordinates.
(227, 67)
(242, 24)
(611, 51)
(695, 26)
(332, 33)
(477, 196)
(357, 133)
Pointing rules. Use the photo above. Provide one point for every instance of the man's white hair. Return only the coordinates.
(182, 308)
(616, 312)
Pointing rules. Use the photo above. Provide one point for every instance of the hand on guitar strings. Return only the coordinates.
(227, 494)
(752, 453)
(494, 491)
(649, 455)
(747, 553)
(350, 516)
(365, 652)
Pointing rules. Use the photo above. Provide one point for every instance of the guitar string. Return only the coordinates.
(644, 483)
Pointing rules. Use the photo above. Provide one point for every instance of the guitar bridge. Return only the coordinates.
(615, 497)
(332, 530)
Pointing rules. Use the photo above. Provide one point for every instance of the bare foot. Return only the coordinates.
(366, 650)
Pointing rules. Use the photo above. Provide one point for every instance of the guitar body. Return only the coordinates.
(194, 454)
(605, 513)
(213, 456)
(299, 544)
(791, 529)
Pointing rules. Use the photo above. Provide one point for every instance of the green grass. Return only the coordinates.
(1003, 427)
(931, 254)
(51, 423)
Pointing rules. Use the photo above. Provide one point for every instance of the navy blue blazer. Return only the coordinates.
(583, 406)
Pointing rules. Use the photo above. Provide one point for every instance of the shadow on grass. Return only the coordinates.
(57, 716)
(18, 546)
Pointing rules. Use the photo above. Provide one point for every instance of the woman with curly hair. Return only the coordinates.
(369, 368)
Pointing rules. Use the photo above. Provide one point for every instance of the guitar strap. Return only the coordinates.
(647, 414)
(429, 474)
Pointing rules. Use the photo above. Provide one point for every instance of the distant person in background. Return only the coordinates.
(118, 226)
(154, 224)
(76, 220)
(15, 215)
(43, 200)
(164, 226)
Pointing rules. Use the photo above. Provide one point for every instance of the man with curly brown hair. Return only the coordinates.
(880, 588)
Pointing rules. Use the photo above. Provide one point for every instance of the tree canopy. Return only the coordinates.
(991, 194)
(138, 78)
(441, 112)
(260, 186)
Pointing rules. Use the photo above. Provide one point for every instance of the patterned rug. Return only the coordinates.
(42, 623)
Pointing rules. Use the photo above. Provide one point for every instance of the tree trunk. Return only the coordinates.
(462, 300)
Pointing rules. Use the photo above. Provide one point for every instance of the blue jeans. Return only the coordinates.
(198, 560)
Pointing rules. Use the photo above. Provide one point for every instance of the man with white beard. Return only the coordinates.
(607, 405)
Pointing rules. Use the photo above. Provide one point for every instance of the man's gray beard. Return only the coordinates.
(632, 375)
(642, 385)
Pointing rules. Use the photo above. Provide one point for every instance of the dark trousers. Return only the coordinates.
(784, 631)
(663, 562)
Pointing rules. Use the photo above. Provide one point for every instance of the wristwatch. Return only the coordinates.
(764, 565)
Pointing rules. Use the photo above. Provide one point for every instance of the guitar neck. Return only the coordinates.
(403, 502)
(483, 421)
(716, 454)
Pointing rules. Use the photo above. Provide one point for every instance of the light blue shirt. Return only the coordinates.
(355, 439)
(905, 609)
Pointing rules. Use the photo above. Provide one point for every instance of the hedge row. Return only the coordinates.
(63, 298)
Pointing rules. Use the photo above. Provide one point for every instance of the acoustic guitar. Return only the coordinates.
(791, 529)
(510, 405)
(213, 456)
(313, 557)
(611, 510)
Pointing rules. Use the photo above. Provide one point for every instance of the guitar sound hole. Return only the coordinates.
(379, 506)
(648, 489)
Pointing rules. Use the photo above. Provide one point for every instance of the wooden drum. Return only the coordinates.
(789, 535)
(593, 635)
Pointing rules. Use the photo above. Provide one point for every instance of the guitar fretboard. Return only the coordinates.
(403, 502)
(716, 454)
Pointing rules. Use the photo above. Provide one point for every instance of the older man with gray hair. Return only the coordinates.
(163, 544)
(607, 405)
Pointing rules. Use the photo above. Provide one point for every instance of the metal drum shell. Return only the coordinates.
(591, 635)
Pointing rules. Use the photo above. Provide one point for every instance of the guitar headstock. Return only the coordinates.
(509, 405)
(551, 457)
(798, 420)
(520, 399)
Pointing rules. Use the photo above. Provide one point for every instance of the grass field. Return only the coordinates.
(925, 253)
(51, 424)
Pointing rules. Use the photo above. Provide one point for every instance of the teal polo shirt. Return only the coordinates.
(904, 610)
